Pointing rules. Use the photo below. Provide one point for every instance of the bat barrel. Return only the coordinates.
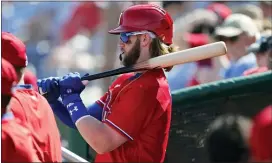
(189, 55)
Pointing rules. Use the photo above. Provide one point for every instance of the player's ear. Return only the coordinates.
(145, 40)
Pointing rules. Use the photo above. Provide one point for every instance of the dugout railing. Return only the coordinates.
(193, 109)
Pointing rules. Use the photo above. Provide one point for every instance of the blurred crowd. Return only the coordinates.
(64, 37)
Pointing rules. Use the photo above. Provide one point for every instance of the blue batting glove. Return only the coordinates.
(70, 84)
(50, 86)
(70, 89)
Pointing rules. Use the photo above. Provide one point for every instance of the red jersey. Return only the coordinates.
(139, 108)
(33, 110)
(17, 144)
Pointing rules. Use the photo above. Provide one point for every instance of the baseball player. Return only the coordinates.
(17, 144)
(131, 122)
(29, 106)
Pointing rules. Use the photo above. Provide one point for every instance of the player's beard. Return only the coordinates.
(132, 56)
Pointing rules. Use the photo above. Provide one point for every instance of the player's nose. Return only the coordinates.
(121, 45)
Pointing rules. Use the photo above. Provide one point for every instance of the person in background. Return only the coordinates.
(261, 132)
(16, 139)
(262, 48)
(238, 31)
(202, 74)
(227, 139)
(191, 31)
(29, 106)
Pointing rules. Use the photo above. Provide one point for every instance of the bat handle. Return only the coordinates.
(45, 94)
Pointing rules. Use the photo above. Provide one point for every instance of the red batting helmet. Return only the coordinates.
(148, 17)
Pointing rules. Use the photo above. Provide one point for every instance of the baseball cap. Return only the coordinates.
(8, 77)
(13, 50)
(262, 45)
(253, 11)
(235, 25)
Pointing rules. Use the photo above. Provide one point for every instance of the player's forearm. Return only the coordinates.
(95, 134)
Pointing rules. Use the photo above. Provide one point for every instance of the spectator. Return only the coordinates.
(262, 48)
(189, 31)
(227, 139)
(252, 11)
(261, 133)
(204, 72)
(238, 31)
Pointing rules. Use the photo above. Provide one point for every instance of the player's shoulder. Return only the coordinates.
(152, 78)
(28, 93)
(147, 81)
(120, 79)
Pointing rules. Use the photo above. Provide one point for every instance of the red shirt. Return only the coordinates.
(255, 70)
(16, 144)
(33, 110)
(139, 108)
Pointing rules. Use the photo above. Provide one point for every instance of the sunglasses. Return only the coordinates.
(124, 37)
(232, 39)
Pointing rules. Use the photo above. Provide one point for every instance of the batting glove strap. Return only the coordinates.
(75, 107)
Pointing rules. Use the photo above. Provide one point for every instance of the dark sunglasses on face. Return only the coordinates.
(223, 38)
(124, 37)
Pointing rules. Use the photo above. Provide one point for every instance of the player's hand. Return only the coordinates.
(50, 86)
(71, 84)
